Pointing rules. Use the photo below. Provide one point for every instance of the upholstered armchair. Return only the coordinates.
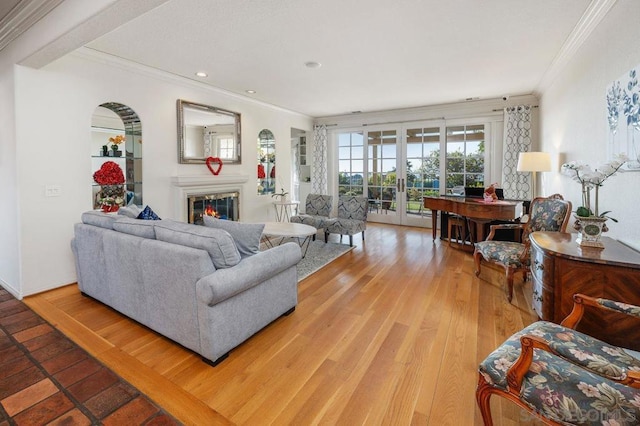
(545, 214)
(352, 218)
(563, 376)
(316, 211)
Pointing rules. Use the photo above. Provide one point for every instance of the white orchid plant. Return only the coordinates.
(592, 178)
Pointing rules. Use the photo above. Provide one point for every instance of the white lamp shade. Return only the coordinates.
(534, 162)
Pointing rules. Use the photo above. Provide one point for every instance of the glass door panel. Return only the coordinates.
(382, 175)
(465, 156)
(422, 170)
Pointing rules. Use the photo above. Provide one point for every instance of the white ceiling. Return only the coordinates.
(375, 54)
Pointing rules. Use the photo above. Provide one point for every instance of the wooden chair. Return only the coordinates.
(545, 214)
(562, 376)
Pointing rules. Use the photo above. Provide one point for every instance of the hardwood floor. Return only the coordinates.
(390, 333)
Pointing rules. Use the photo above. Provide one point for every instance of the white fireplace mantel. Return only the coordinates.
(188, 185)
(208, 180)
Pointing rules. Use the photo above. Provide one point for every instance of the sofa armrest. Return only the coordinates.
(251, 271)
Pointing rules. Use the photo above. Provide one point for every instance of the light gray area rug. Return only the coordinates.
(318, 255)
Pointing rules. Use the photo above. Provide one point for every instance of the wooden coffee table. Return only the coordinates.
(283, 230)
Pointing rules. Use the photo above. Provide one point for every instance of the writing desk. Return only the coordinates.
(476, 209)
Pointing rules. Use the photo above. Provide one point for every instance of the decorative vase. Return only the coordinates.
(105, 151)
(117, 153)
(590, 231)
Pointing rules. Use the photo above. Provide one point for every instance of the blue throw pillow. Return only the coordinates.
(148, 214)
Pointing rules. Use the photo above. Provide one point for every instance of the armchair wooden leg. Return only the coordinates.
(483, 396)
(326, 237)
(477, 257)
(350, 240)
(510, 284)
(362, 235)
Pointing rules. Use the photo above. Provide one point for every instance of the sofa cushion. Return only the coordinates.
(131, 211)
(148, 214)
(98, 218)
(140, 228)
(217, 242)
(246, 235)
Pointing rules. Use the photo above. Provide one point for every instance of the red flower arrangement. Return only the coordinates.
(109, 174)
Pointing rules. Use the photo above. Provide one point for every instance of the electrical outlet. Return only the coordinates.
(52, 190)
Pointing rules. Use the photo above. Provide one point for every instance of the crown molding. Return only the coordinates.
(22, 17)
(596, 11)
(137, 68)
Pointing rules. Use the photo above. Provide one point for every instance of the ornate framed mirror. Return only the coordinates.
(206, 131)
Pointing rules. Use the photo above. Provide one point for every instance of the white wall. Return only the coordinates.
(574, 117)
(54, 106)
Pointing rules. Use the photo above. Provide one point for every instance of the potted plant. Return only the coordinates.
(281, 196)
(115, 141)
(591, 223)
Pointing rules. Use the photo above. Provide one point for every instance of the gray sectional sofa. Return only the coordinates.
(187, 282)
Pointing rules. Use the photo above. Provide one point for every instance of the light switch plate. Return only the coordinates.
(52, 190)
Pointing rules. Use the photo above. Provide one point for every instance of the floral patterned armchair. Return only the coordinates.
(563, 376)
(545, 214)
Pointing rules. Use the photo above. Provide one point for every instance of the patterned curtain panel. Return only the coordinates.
(319, 172)
(517, 139)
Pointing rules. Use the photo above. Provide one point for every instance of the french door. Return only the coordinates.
(394, 166)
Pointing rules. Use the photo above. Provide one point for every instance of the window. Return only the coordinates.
(226, 147)
(464, 163)
(350, 163)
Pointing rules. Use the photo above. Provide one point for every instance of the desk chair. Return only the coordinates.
(546, 214)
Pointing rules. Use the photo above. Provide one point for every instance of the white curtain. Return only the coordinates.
(319, 169)
(517, 139)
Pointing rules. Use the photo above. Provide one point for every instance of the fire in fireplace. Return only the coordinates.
(223, 205)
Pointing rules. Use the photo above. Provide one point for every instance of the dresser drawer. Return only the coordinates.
(541, 266)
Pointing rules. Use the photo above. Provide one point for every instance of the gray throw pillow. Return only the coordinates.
(246, 235)
(137, 227)
(217, 242)
(98, 218)
(131, 211)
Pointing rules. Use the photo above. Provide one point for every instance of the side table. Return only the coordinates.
(285, 209)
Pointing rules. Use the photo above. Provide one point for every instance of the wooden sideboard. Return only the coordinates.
(560, 268)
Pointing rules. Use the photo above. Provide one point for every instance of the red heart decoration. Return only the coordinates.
(214, 160)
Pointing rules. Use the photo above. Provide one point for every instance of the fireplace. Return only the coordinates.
(223, 205)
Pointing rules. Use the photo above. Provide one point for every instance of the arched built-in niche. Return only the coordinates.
(111, 122)
(266, 162)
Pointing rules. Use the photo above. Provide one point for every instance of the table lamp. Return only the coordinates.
(534, 162)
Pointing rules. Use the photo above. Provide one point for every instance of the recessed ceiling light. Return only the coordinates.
(251, 92)
(312, 64)
(201, 74)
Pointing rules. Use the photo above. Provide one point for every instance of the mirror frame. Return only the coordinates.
(180, 106)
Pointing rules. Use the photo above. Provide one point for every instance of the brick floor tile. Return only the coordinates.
(135, 412)
(64, 360)
(59, 346)
(162, 419)
(28, 397)
(15, 366)
(11, 307)
(28, 322)
(110, 399)
(90, 386)
(45, 411)
(30, 333)
(77, 372)
(17, 382)
(9, 354)
(74, 417)
(41, 341)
